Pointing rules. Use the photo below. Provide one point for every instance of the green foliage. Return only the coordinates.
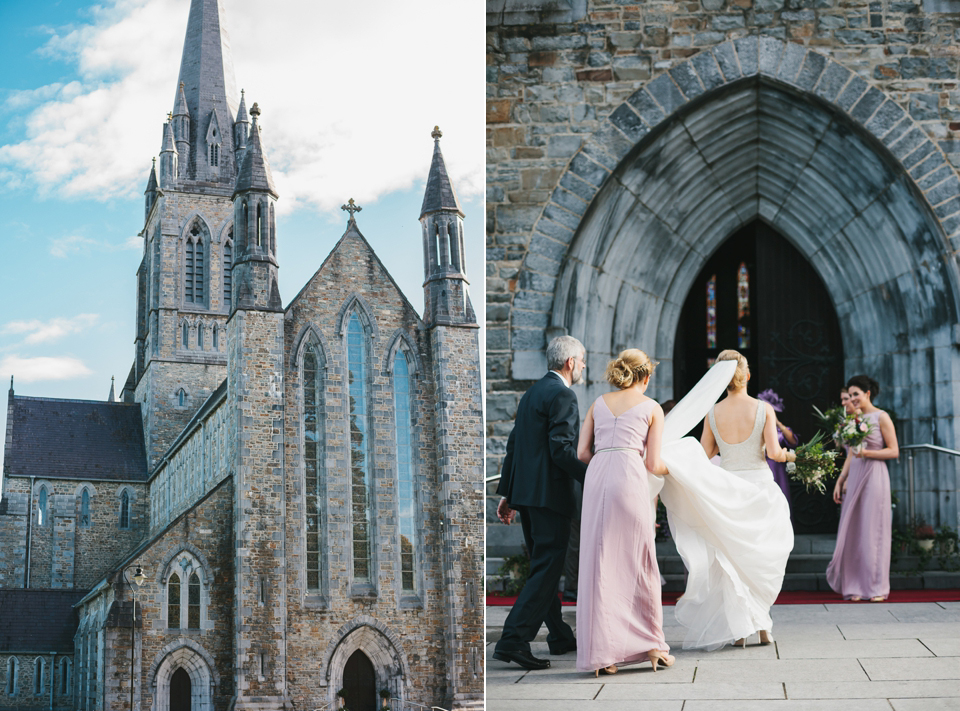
(908, 540)
(831, 419)
(385, 693)
(515, 571)
(815, 464)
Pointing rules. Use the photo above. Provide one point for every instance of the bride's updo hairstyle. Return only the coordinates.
(865, 383)
(631, 366)
(742, 374)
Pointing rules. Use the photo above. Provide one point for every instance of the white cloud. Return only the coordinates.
(75, 244)
(52, 330)
(32, 370)
(349, 94)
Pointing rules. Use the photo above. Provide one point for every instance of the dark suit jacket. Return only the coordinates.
(541, 461)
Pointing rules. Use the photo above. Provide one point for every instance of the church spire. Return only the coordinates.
(151, 192)
(446, 298)
(209, 91)
(169, 169)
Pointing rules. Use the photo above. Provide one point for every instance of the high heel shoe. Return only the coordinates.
(612, 669)
(878, 598)
(855, 598)
(764, 637)
(742, 643)
(655, 655)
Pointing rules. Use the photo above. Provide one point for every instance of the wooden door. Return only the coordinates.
(180, 690)
(793, 346)
(360, 683)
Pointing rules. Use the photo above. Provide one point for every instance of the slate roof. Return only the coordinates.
(75, 439)
(439, 194)
(38, 620)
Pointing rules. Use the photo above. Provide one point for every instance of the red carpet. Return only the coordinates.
(798, 598)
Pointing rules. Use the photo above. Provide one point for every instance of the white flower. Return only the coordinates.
(791, 467)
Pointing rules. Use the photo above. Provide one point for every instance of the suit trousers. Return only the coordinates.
(571, 567)
(546, 534)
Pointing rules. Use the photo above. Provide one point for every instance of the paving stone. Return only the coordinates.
(697, 690)
(784, 670)
(789, 705)
(867, 689)
(942, 646)
(912, 669)
(849, 649)
(926, 704)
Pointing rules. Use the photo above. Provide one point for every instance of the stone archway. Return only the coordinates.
(381, 646)
(196, 662)
(756, 129)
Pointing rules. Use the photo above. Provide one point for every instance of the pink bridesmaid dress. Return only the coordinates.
(861, 561)
(619, 613)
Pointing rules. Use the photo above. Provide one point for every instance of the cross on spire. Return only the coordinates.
(351, 207)
(436, 133)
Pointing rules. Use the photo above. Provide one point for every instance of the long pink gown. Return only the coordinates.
(861, 560)
(619, 613)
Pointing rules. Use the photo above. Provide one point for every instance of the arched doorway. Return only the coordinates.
(758, 294)
(180, 690)
(360, 683)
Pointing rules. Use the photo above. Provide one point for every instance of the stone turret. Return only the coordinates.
(255, 269)
(446, 297)
(169, 158)
(181, 127)
(150, 194)
(241, 130)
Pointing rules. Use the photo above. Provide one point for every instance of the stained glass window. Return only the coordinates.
(743, 306)
(173, 602)
(193, 602)
(359, 449)
(313, 445)
(712, 312)
(405, 491)
(85, 508)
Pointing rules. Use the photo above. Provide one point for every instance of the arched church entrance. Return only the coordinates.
(758, 294)
(180, 690)
(360, 683)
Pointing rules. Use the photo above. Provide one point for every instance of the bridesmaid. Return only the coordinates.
(848, 407)
(786, 437)
(861, 562)
(619, 613)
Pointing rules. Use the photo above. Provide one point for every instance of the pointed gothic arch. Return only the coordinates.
(379, 643)
(356, 302)
(309, 333)
(196, 246)
(833, 164)
(401, 338)
(192, 657)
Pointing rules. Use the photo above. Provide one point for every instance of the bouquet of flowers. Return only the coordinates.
(853, 431)
(815, 464)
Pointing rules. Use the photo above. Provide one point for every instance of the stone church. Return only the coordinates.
(777, 176)
(282, 508)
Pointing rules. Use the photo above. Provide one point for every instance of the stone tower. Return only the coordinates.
(185, 279)
(255, 391)
(454, 342)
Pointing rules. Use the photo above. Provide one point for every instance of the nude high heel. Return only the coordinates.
(612, 669)
(655, 655)
(764, 637)
(742, 643)
(878, 598)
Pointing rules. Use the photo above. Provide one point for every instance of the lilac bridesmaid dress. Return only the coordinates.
(861, 561)
(779, 470)
(619, 613)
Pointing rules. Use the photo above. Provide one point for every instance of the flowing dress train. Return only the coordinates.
(619, 613)
(731, 525)
(861, 561)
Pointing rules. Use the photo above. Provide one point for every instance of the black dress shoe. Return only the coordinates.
(524, 659)
(563, 647)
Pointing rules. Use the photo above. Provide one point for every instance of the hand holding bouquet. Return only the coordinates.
(815, 465)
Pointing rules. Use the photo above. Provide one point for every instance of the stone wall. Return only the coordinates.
(65, 553)
(25, 699)
(567, 101)
(204, 534)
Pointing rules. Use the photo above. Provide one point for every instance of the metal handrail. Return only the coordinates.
(910, 475)
(492, 478)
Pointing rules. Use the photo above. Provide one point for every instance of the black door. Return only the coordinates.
(180, 690)
(759, 295)
(359, 683)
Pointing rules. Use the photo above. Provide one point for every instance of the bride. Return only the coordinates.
(731, 523)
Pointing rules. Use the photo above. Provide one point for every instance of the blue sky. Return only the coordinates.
(349, 93)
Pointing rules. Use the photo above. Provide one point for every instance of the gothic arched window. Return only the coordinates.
(13, 665)
(39, 667)
(436, 238)
(193, 602)
(200, 336)
(360, 464)
(85, 508)
(195, 271)
(453, 249)
(214, 155)
(313, 458)
(185, 335)
(216, 337)
(181, 397)
(273, 232)
(173, 602)
(124, 509)
(65, 673)
(259, 224)
(227, 273)
(406, 496)
(42, 507)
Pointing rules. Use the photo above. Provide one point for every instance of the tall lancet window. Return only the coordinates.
(259, 224)
(314, 444)
(173, 602)
(42, 507)
(85, 508)
(743, 306)
(406, 496)
(227, 273)
(194, 275)
(360, 464)
(188, 271)
(436, 239)
(124, 509)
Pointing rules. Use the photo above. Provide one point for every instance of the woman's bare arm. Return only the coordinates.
(585, 445)
(654, 464)
(707, 440)
(892, 450)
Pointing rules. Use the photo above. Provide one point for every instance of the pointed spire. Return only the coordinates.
(255, 171)
(168, 158)
(439, 194)
(242, 111)
(208, 84)
(180, 108)
(111, 397)
(168, 143)
(152, 180)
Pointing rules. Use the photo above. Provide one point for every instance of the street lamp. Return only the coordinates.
(139, 578)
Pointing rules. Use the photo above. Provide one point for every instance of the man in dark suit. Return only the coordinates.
(537, 480)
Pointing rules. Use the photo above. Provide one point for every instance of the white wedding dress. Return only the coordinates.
(732, 528)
